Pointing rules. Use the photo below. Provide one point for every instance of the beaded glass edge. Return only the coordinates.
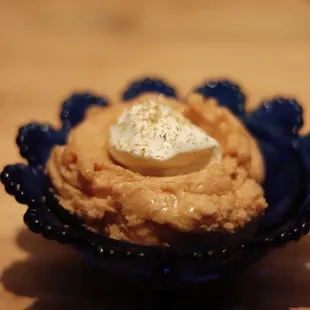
(36, 140)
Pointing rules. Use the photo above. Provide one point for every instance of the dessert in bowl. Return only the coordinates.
(165, 186)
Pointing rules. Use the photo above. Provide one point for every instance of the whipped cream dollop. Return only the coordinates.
(154, 139)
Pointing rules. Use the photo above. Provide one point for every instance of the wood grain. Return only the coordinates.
(51, 48)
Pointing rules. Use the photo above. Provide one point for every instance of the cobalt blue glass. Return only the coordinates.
(274, 124)
(148, 84)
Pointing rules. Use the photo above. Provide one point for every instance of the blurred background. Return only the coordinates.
(49, 49)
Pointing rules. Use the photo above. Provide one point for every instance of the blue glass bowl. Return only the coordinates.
(275, 125)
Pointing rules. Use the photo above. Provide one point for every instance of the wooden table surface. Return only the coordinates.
(51, 48)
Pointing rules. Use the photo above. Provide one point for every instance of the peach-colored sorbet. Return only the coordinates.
(125, 205)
